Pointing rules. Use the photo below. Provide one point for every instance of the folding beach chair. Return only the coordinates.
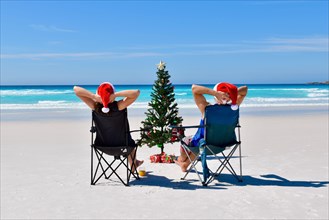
(222, 134)
(111, 146)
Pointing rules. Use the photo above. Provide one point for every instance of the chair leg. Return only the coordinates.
(192, 165)
(104, 167)
(101, 158)
(99, 164)
(92, 167)
(239, 138)
(128, 175)
(240, 180)
(226, 164)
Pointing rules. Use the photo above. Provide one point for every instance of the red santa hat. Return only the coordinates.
(231, 90)
(105, 90)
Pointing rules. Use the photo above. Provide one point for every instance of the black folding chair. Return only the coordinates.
(111, 143)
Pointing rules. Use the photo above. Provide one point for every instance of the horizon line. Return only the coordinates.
(178, 84)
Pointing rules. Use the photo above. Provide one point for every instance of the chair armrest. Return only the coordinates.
(145, 129)
(93, 129)
(184, 127)
(138, 130)
(179, 133)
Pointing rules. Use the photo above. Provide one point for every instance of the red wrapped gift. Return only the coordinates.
(162, 158)
(165, 158)
(156, 158)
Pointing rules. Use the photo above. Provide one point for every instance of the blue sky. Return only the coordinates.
(87, 42)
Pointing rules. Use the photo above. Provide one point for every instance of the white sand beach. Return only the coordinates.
(45, 172)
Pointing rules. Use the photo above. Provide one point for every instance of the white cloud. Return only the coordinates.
(51, 28)
(315, 44)
(39, 56)
(310, 44)
(271, 45)
(305, 41)
(275, 45)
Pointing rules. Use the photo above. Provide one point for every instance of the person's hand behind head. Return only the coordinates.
(97, 98)
(222, 97)
(112, 97)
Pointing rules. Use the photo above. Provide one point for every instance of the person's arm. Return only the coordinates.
(200, 100)
(242, 92)
(130, 97)
(86, 96)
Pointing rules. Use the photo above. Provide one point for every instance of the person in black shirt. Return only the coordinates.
(104, 101)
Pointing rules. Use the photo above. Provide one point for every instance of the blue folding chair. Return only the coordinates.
(221, 135)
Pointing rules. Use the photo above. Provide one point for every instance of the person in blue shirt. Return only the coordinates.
(224, 93)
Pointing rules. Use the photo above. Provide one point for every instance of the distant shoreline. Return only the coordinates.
(178, 84)
(319, 83)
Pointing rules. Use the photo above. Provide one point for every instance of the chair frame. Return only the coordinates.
(224, 163)
(102, 155)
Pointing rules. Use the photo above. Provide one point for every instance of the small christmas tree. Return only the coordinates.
(163, 112)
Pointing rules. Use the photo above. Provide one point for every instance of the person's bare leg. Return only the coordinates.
(183, 161)
(137, 163)
(183, 156)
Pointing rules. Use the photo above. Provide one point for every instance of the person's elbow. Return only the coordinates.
(76, 89)
(137, 93)
(131, 97)
(243, 90)
(194, 88)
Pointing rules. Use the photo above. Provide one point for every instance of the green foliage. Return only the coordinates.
(162, 112)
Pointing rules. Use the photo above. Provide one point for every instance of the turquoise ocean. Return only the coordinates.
(259, 95)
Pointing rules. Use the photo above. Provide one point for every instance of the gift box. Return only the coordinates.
(165, 158)
(156, 158)
(162, 158)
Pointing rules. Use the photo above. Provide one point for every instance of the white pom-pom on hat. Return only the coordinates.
(105, 110)
(105, 90)
(234, 107)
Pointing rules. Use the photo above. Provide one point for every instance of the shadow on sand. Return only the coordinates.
(224, 181)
